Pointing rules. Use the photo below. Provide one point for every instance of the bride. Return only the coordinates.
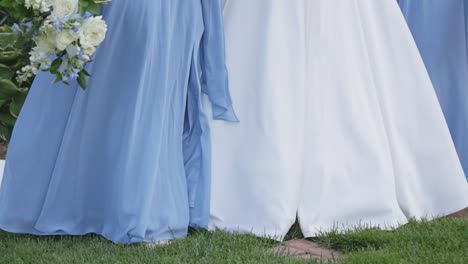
(129, 157)
(340, 125)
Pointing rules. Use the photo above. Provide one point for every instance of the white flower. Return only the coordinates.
(89, 50)
(64, 38)
(46, 41)
(47, 5)
(26, 72)
(40, 56)
(86, 58)
(30, 68)
(40, 5)
(64, 8)
(73, 50)
(92, 32)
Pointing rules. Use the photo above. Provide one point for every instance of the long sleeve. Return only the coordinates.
(214, 73)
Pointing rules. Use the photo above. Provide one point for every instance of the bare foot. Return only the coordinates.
(460, 214)
(305, 249)
(161, 243)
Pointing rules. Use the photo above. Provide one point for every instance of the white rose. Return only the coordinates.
(46, 5)
(89, 50)
(64, 38)
(65, 8)
(92, 32)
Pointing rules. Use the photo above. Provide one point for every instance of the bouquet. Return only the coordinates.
(66, 35)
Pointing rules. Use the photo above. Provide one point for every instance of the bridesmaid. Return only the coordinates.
(128, 158)
(440, 29)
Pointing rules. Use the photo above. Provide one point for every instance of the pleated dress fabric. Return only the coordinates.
(129, 157)
(440, 29)
(340, 125)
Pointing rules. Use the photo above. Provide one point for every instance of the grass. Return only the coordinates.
(200, 247)
(440, 241)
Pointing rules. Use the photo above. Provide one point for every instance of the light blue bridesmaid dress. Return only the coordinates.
(440, 28)
(129, 157)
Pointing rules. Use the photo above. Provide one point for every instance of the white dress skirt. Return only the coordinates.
(339, 123)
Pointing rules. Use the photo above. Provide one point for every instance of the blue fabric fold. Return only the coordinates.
(214, 73)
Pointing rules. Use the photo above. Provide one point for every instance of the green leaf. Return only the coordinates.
(7, 119)
(5, 132)
(83, 80)
(8, 89)
(55, 65)
(9, 56)
(6, 29)
(6, 72)
(23, 90)
(58, 77)
(93, 8)
(83, 6)
(16, 105)
(10, 47)
(7, 38)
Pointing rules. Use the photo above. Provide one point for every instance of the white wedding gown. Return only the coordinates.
(339, 122)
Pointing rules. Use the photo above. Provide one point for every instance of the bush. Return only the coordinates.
(14, 54)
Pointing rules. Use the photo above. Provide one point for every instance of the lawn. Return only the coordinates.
(441, 241)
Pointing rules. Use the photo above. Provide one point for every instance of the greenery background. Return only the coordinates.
(14, 54)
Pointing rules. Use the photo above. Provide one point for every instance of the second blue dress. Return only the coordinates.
(129, 157)
(441, 32)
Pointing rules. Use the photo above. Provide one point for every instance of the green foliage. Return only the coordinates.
(89, 6)
(14, 54)
(12, 11)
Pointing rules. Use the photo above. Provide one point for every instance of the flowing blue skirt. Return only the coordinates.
(441, 32)
(129, 157)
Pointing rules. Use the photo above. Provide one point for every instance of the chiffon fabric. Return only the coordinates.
(129, 157)
(440, 29)
(340, 125)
